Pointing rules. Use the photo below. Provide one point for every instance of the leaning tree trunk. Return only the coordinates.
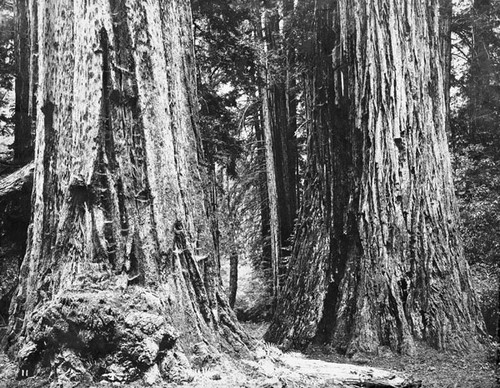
(110, 278)
(377, 258)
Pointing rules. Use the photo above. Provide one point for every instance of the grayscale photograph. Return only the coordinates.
(249, 193)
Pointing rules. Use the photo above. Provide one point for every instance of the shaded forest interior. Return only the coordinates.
(329, 170)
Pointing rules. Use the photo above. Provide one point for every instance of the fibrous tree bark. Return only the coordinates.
(263, 191)
(278, 107)
(377, 259)
(110, 283)
(272, 194)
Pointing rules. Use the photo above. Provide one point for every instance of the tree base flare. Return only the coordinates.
(107, 335)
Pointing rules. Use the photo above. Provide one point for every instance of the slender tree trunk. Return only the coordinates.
(446, 12)
(23, 143)
(291, 188)
(263, 194)
(33, 66)
(480, 71)
(119, 213)
(377, 258)
(233, 278)
(272, 193)
(232, 242)
(279, 135)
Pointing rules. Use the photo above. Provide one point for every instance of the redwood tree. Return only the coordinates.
(377, 259)
(110, 281)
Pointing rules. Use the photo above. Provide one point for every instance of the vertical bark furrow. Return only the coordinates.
(279, 134)
(384, 233)
(395, 257)
(116, 169)
(301, 306)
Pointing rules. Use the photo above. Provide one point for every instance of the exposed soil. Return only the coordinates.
(434, 369)
(268, 370)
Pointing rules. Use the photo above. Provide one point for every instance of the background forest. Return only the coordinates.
(253, 66)
(231, 56)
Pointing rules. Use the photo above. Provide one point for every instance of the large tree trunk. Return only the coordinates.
(306, 285)
(377, 258)
(119, 216)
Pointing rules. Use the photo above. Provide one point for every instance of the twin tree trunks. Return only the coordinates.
(377, 259)
(110, 277)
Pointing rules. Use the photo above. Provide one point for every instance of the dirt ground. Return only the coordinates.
(268, 369)
(435, 369)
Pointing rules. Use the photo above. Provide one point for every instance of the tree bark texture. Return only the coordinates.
(279, 135)
(377, 259)
(23, 142)
(119, 212)
(265, 259)
(272, 195)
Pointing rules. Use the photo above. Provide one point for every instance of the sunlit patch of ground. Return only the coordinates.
(270, 368)
(435, 369)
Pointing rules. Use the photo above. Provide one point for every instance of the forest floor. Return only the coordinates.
(435, 369)
(270, 368)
